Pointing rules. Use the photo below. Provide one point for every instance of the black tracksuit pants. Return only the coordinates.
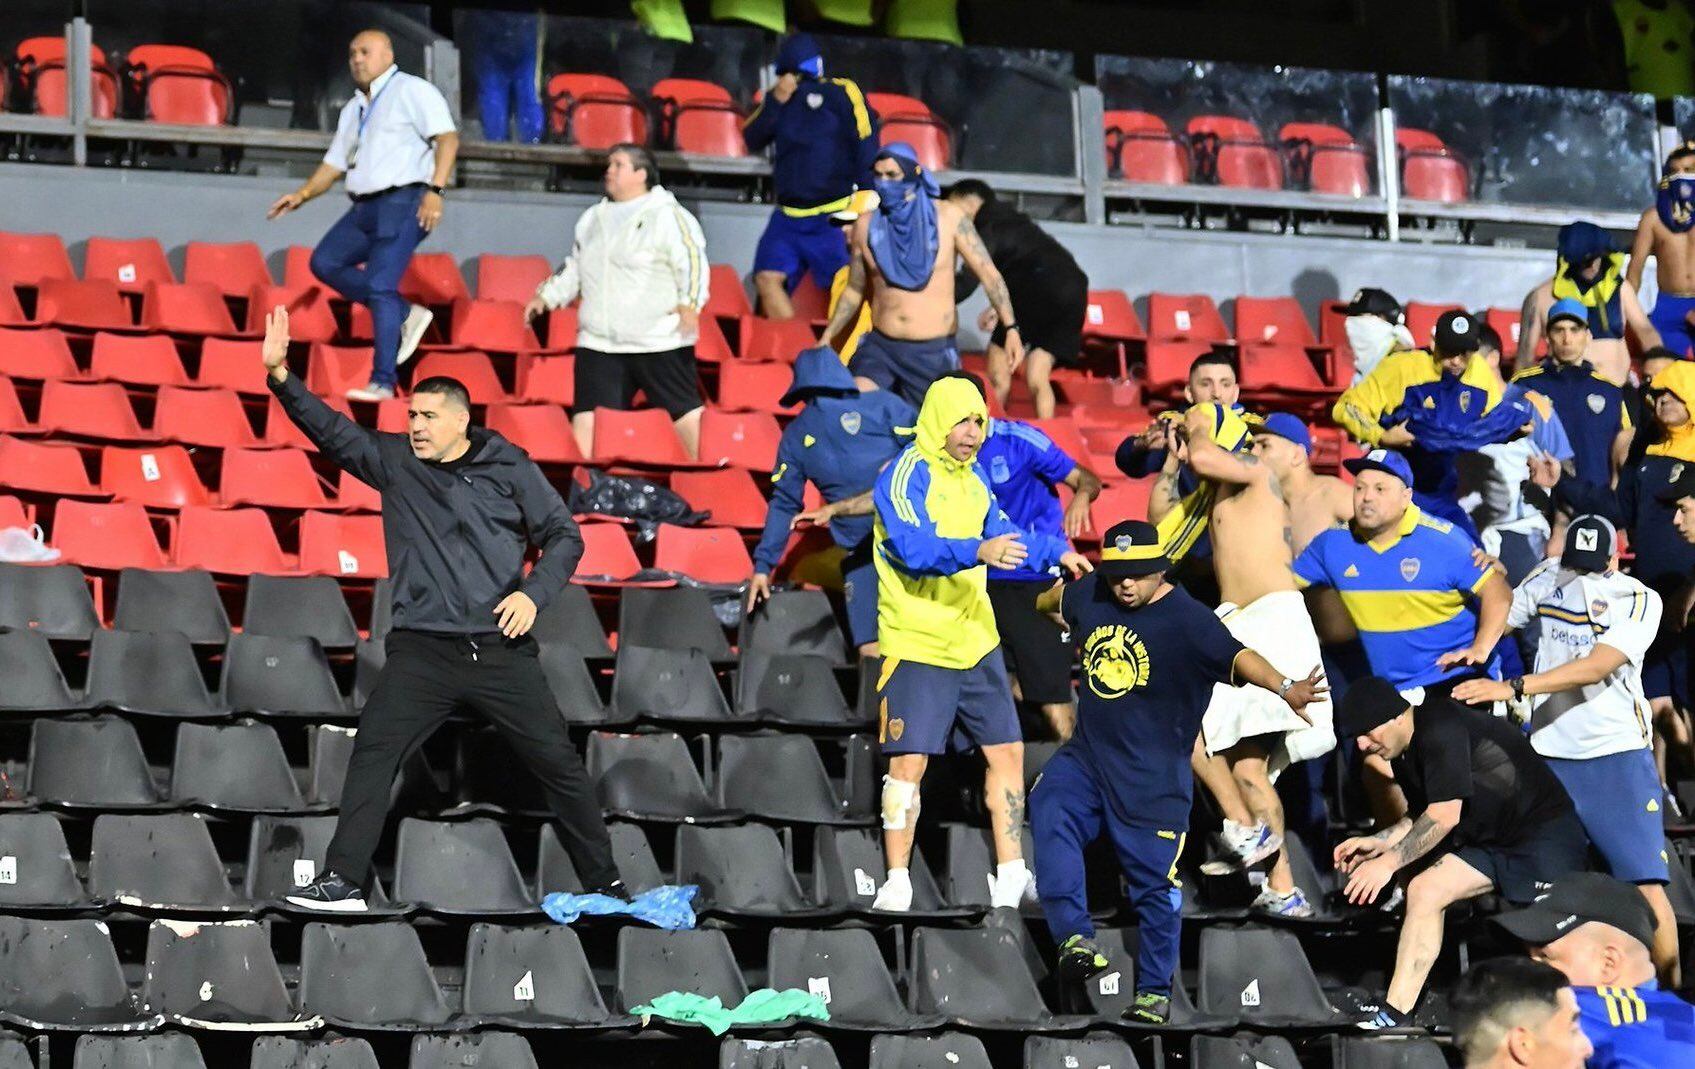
(426, 678)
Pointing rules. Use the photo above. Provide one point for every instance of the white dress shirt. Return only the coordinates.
(383, 140)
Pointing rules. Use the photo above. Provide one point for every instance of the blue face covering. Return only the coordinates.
(1675, 202)
(903, 234)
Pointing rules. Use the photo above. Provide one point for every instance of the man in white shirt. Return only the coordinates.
(1589, 717)
(396, 144)
(638, 261)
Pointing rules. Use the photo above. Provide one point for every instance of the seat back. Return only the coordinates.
(1442, 178)
(233, 268)
(1230, 151)
(26, 259)
(510, 278)
(595, 111)
(1272, 321)
(1141, 148)
(132, 263)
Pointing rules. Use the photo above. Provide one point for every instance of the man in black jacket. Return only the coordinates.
(460, 505)
(1049, 290)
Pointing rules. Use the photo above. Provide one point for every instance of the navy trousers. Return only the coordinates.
(363, 256)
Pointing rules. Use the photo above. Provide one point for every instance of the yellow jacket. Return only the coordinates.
(1363, 405)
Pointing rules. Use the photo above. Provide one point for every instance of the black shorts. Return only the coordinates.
(1035, 648)
(610, 380)
(1524, 870)
(1051, 319)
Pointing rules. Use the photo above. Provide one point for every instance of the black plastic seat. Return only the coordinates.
(161, 861)
(239, 767)
(667, 685)
(302, 606)
(217, 976)
(780, 778)
(572, 686)
(279, 675)
(286, 1052)
(649, 777)
(484, 1050)
(652, 962)
(741, 871)
(285, 854)
(36, 871)
(171, 1050)
(329, 747)
(796, 622)
(848, 867)
(52, 601)
(1242, 1051)
(90, 761)
(1113, 991)
(13, 1053)
(947, 1050)
(147, 672)
(64, 975)
(534, 977)
(1392, 1054)
(792, 689)
(369, 976)
(185, 602)
(458, 867)
(1263, 976)
(806, 1052)
(971, 865)
(977, 977)
(671, 618)
(34, 682)
(1064, 1052)
(844, 967)
(630, 852)
(570, 621)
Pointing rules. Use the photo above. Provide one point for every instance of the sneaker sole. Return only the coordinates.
(409, 339)
(1263, 852)
(346, 905)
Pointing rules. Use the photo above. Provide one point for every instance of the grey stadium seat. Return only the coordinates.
(486, 1050)
(370, 976)
(741, 872)
(847, 869)
(90, 761)
(807, 1052)
(650, 777)
(239, 767)
(458, 867)
(64, 975)
(795, 621)
(780, 778)
(947, 1050)
(147, 672)
(217, 976)
(1095, 1051)
(162, 861)
(844, 966)
(329, 747)
(34, 682)
(173, 1050)
(1242, 1051)
(305, 606)
(572, 686)
(287, 853)
(279, 675)
(36, 871)
(667, 685)
(1263, 976)
(978, 978)
(652, 962)
(1112, 992)
(630, 852)
(570, 621)
(285, 1052)
(186, 602)
(1392, 1054)
(671, 618)
(791, 689)
(533, 977)
(52, 601)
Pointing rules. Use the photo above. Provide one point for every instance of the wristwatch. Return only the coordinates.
(1009, 326)
(440, 191)
(1518, 687)
(1283, 687)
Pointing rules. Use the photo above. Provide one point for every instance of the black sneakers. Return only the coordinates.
(329, 893)
(1149, 1008)
(615, 889)
(1080, 959)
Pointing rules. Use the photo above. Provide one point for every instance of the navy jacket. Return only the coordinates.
(825, 138)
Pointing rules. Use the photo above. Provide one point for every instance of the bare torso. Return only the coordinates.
(908, 314)
(1674, 256)
(1609, 356)
(1253, 542)
(1316, 504)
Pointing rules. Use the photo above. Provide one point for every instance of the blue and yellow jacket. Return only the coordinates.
(1362, 406)
(932, 513)
(1639, 1027)
(826, 140)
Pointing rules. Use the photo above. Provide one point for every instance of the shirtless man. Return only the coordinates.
(1255, 733)
(902, 255)
(1589, 269)
(1667, 233)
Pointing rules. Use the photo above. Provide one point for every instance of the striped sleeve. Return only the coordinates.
(909, 536)
(688, 259)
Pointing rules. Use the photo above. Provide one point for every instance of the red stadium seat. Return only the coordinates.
(234, 269)
(132, 263)
(97, 410)
(1185, 317)
(137, 359)
(811, 300)
(226, 363)
(909, 119)
(159, 477)
(755, 387)
(1325, 159)
(1272, 321)
(739, 439)
(212, 418)
(310, 318)
(392, 416)
(230, 542)
(1232, 152)
(11, 312)
(1273, 372)
(711, 347)
(510, 278)
(186, 308)
(14, 513)
(546, 379)
(433, 278)
(644, 437)
(497, 326)
(36, 354)
(595, 111)
(698, 117)
(608, 558)
(1421, 319)
(40, 66)
(297, 267)
(706, 554)
(1430, 170)
(332, 370)
(1119, 501)
(13, 420)
(726, 297)
(44, 469)
(271, 478)
(1110, 320)
(730, 495)
(1507, 323)
(348, 546)
(95, 305)
(281, 431)
(109, 537)
(474, 370)
(543, 431)
(1141, 148)
(353, 495)
(26, 259)
(176, 84)
(562, 329)
(776, 339)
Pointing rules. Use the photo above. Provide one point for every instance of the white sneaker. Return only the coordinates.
(418, 320)
(895, 896)
(372, 392)
(1246, 845)
(1293, 904)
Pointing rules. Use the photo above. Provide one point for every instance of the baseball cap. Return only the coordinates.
(1576, 899)
(1384, 460)
(799, 54)
(1681, 487)
(1131, 549)
(1375, 302)
(1367, 705)
(1590, 541)
(1457, 332)
(1289, 426)
(1568, 308)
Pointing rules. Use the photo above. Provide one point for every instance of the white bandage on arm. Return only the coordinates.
(899, 798)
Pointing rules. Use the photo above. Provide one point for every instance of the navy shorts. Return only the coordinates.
(859, 589)
(923, 708)
(798, 245)
(905, 368)
(1671, 318)
(1521, 871)
(1618, 799)
(1665, 671)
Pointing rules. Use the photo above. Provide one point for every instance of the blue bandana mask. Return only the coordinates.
(903, 234)
(1675, 202)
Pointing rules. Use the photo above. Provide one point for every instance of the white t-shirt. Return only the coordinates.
(1574, 612)
(384, 142)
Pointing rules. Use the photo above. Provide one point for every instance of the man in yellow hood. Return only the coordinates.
(938, 531)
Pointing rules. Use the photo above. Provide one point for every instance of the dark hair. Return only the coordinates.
(1498, 996)
(1212, 356)
(1488, 337)
(1659, 352)
(1682, 151)
(974, 380)
(972, 187)
(448, 387)
(640, 158)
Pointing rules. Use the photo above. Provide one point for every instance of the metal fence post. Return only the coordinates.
(1389, 171)
(1090, 112)
(441, 67)
(78, 48)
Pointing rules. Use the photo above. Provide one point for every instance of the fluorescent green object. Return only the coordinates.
(764, 1006)
(664, 18)
(924, 20)
(847, 12)
(766, 14)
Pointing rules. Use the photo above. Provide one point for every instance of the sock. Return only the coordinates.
(1010, 880)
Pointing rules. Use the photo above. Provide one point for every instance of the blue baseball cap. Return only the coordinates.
(1385, 460)
(1289, 426)
(1568, 308)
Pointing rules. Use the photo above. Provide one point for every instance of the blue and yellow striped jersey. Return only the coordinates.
(1638, 1027)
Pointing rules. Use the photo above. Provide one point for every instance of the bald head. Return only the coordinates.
(369, 54)
(1595, 954)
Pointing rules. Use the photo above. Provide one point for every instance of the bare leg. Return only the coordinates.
(1000, 373)
(1003, 793)
(582, 429)
(773, 291)
(1445, 882)
(1062, 718)
(1214, 774)
(1248, 767)
(897, 842)
(688, 429)
(1666, 962)
(1038, 371)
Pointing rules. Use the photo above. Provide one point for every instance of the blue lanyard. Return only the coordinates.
(365, 112)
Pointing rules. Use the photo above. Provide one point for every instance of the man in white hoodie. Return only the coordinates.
(638, 261)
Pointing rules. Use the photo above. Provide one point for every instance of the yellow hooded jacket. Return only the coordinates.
(932, 512)
(1363, 405)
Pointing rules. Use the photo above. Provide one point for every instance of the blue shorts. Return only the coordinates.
(1671, 318)
(859, 589)
(923, 708)
(1665, 671)
(1618, 798)
(798, 245)
(905, 368)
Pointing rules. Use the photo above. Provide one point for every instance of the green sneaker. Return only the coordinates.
(1149, 1008)
(1080, 959)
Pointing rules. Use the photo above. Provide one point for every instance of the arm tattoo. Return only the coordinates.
(983, 265)
(1166, 484)
(1425, 834)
